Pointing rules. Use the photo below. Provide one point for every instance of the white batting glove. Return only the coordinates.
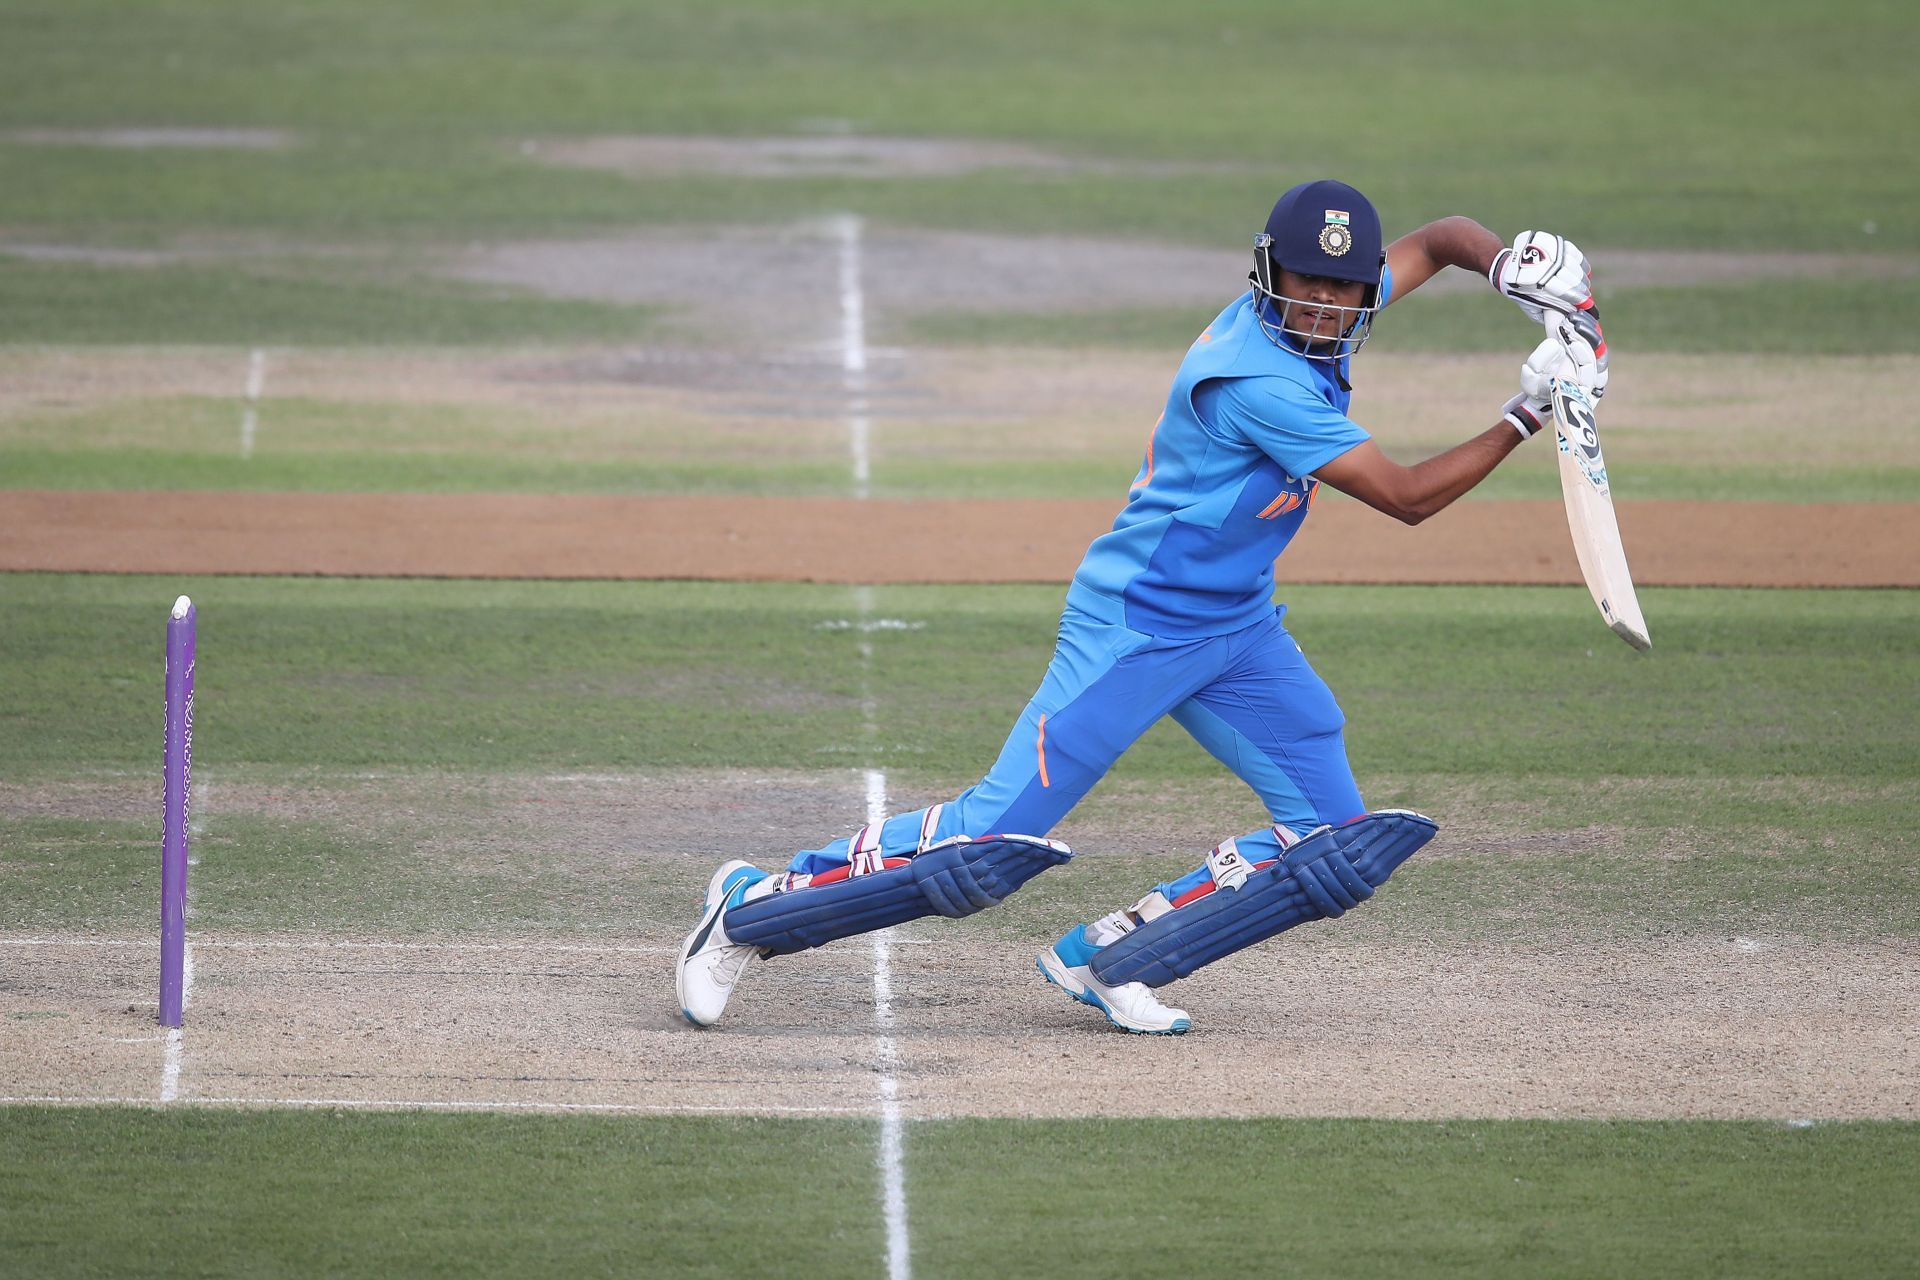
(1532, 409)
(1586, 346)
(1587, 324)
(1543, 272)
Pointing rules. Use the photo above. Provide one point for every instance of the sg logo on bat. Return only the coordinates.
(1580, 434)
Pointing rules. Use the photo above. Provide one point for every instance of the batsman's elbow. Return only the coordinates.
(1408, 511)
(1405, 511)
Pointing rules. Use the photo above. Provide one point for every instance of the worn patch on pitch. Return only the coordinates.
(1308, 1025)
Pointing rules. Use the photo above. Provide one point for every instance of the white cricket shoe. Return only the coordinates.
(1131, 1006)
(709, 964)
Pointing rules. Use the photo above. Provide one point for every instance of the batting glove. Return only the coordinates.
(1586, 323)
(1586, 345)
(1543, 272)
(1532, 409)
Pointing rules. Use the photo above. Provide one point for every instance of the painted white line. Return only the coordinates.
(175, 1054)
(404, 1104)
(170, 1067)
(250, 415)
(77, 942)
(484, 947)
(876, 624)
(853, 367)
(887, 1054)
(853, 353)
(327, 945)
(241, 944)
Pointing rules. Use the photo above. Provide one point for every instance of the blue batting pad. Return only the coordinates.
(956, 877)
(1329, 872)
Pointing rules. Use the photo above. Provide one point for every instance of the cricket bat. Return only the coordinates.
(1589, 499)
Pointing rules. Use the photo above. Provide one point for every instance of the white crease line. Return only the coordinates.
(250, 416)
(488, 947)
(175, 1054)
(424, 1105)
(853, 353)
(887, 1052)
(853, 365)
(170, 1068)
(877, 624)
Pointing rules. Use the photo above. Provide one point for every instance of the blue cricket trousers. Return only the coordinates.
(1249, 697)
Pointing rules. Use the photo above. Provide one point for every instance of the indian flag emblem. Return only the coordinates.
(1336, 217)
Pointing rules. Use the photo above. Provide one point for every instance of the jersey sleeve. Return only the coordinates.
(1284, 420)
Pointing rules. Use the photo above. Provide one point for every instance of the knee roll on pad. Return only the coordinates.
(1331, 871)
(956, 877)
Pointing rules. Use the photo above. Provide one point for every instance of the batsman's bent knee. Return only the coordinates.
(956, 877)
(1331, 871)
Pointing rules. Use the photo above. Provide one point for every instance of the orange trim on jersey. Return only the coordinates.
(1146, 475)
(1312, 490)
(1040, 749)
(1279, 506)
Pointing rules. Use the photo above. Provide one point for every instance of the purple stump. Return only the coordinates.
(179, 792)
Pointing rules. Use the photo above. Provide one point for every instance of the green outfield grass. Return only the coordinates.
(1708, 124)
(275, 468)
(305, 302)
(325, 1193)
(506, 436)
(1815, 316)
(513, 675)
(353, 1195)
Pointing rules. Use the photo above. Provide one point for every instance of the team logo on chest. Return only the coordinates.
(1289, 500)
(1335, 239)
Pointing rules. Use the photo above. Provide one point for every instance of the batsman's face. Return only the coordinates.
(1312, 309)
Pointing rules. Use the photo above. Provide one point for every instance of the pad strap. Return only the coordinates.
(929, 824)
(863, 851)
(1327, 873)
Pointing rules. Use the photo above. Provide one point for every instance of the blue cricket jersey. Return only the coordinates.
(1226, 483)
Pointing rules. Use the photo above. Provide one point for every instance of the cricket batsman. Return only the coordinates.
(1172, 613)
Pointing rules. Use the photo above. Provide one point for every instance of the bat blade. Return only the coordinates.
(1590, 516)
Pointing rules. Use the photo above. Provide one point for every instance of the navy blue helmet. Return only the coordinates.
(1327, 229)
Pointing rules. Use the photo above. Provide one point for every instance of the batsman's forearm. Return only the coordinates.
(1444, 477)
(1461, 242)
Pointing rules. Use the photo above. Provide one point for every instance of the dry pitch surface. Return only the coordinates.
(1357, 1018)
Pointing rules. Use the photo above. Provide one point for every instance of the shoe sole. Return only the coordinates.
(710, 912)
(1085, 995)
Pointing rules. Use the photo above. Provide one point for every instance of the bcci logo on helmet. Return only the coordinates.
(1335, 239)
